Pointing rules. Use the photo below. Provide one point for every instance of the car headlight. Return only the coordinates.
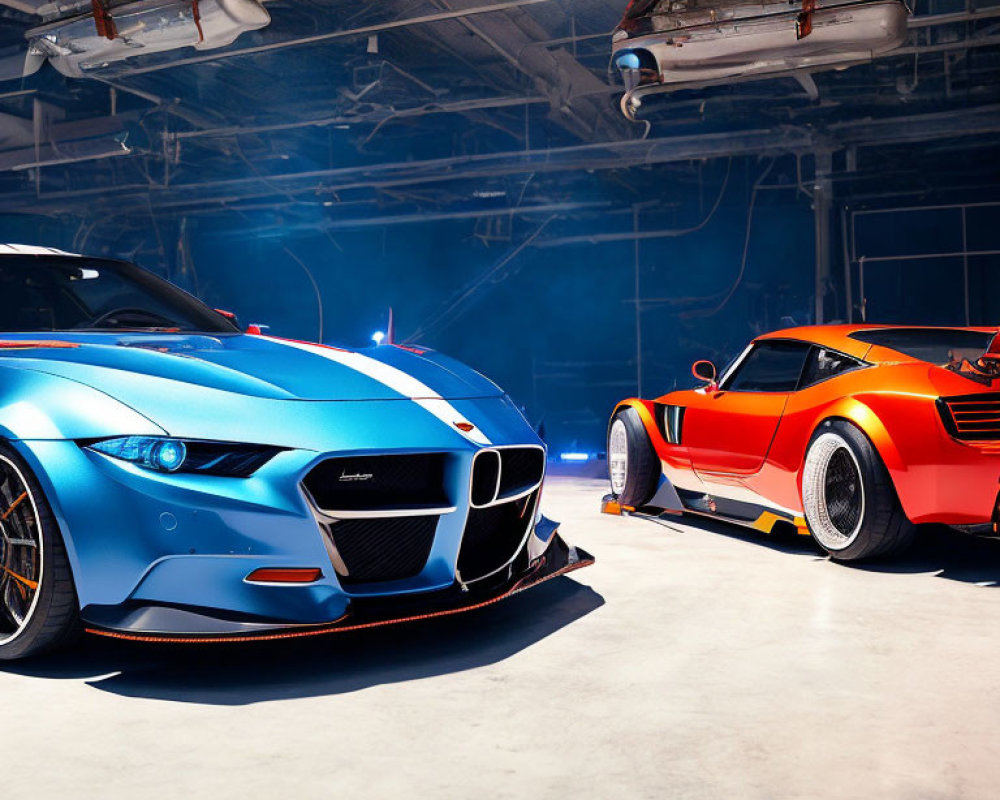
(161, 454)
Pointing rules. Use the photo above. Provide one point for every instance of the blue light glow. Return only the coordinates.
(378, 336)
(169, 455)
(574, 456)
(163, 455)
(627, 60)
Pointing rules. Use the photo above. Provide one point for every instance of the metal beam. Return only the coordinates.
(419, 218)
(319, 38)
(456, 107)
(602, 155)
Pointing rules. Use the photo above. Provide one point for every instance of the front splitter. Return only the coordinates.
(558, 559)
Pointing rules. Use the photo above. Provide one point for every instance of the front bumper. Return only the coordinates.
(159, 623)
(168, 555)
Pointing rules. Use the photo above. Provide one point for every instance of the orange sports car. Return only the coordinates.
(851, 433)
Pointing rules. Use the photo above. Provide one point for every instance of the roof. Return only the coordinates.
(838, 337)
(31, 250)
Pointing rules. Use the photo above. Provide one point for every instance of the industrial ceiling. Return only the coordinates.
(341, 114)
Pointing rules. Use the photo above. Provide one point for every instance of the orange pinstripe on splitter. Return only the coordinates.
(335, 627)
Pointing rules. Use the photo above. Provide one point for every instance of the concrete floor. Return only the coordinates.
(692, 661)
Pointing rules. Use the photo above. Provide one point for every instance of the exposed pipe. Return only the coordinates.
(930, 20)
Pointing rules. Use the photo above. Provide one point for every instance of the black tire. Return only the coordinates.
(642, 469)
(40, 619)
(851, 506)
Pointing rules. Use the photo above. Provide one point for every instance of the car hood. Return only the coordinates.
(253, 366)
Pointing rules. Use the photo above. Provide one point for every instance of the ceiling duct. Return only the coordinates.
(667, 44)
(87, 44)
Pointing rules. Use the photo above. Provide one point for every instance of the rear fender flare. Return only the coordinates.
(868, 422)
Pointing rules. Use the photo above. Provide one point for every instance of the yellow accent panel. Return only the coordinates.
(766, 521)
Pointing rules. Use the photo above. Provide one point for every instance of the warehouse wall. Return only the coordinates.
(555, 326)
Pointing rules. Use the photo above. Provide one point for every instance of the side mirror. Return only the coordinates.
(705, 371)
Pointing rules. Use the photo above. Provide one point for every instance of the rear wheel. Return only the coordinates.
(38, 605)
(633, 466)
(850, 504)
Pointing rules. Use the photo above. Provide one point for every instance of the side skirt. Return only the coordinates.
(671, 500)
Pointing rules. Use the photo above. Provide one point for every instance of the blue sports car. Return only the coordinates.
(167, 477)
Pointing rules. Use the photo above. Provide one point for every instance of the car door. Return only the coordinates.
(729, 430)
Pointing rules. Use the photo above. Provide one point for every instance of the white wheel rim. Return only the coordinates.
(9, 578)
(618, 456)
(826, 514)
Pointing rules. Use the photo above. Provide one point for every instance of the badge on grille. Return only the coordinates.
(355, 477)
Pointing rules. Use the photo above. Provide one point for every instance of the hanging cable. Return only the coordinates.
(315, 286)
(454, 306)
(746, 241)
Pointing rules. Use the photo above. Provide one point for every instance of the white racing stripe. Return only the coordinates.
(31, 250)
(395, 379)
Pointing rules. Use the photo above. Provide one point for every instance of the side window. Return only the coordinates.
(771, 366)
(823, 364)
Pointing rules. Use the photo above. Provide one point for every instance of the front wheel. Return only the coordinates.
(38, 605)
(850, 504)
(633, 466)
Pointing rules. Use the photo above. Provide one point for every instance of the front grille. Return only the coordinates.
(521, 468)
(485, 471)
(372, 483)
(972, 417)
(492, 536)
(385, 549)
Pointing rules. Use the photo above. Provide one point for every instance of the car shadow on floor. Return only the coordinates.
(937, 549)
(949, 553)
(323, 665)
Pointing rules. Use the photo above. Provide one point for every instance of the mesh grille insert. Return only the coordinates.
(386, 549)
(492, 536)
(522, 468)
(484, 477)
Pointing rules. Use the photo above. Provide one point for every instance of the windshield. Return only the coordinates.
(936, 345)
(52, 293)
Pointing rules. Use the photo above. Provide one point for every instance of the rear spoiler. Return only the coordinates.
(984, 369)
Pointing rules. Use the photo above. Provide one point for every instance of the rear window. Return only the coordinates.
(936, 345)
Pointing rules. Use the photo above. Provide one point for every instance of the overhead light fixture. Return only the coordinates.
(86, 44)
